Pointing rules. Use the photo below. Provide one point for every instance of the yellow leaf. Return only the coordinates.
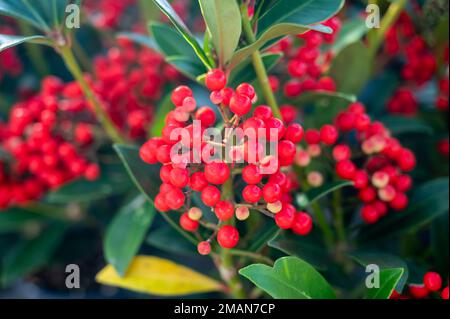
(160, 277)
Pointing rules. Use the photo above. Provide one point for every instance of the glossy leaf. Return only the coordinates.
(325, 98)
(29, 255)
(246, 72)
(9, 41)
(351, 68)
(15, 219)
(384, 261)
(167, 239)
(167, 9)
(275, 32)
(303, 12)
(139, 38)
(290, 278)
(191, 68)
(126, 233)
(401, 125)
(310, 248)
(169, 41)
(159, 122)
(351, 32)
(316, 194)
(389, 280)
(223, 19)
(157, 276)
(428, 202)
(440, 242)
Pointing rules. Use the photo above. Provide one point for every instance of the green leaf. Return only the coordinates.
(167, 9)
(311, 248)
(290, 278)
(389, 280)
(191, 68)
(304, 12)
(169, 41)
(159, 120)
(113, 180)
(351, 68)
(9, 41)
(15, 219)
(246, 72)
(126, 233)
(167, 239)
(29, 255)
(440, 242)
(223, 19)
(263, 235)
(316, 194)
(428, 202)
(139, 38)
(144, 176)
(325, 98)
(385, 262)
(351, 32)
(406, 125)
(275, 32)
(42, 14)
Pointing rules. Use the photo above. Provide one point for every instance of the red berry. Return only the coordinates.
(210, 196)
(92, 172)
(175, 199)
(204, 248)
(252, 194)
(418, 291)
(164, 173)
(188, 224)
(329, 134)
(368, 194)
(361, 179)
(206, 116)
(400, 202)
(275, 129)
(179, 94)
(341, 153)
(294, 133)
(302, 224)
(224, 210)
(346, 169)
(286, 150)
(312, 137)
(285, 218)
(433, 281)
(263, 112)
(406, 160)
(369, 214)
(288, 113)
(179, 177)
(198, 181)
(247, 90)
(228, 237)
(251, 174)
(215, 80)
(444, 294)
(272, 192)
(240, 104)
(217, 173)
(160, 203)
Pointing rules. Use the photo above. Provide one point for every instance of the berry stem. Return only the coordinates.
(101, 114)
(391, 16)
(258, 64)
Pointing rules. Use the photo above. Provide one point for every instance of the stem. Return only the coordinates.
(34, 52)
(339, 212)
(225, 264)
(254, 256)
(101, 114)
(391, 16)
(258, 64)
(322, 221)
(81, 54)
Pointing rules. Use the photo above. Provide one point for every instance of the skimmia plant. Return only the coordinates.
(249, 136)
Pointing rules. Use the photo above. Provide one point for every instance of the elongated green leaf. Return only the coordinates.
(389, 280)
(351, 32)
(167, 239)
(191, 68)
(30, 255)
(163, 109)
(113, 180)
(384, 261)
(262, 236)
(9, 41)
(42, 14)
(428, 202)
(167, 9)
(126, 233)
(325, 98)
(440, 242)
(15, 219)
(274, 32)
(224, 22)
(316, 194)
(169, 41)
(290, 278)
(311, 248)
(402, 125)
(350, 69)
(246, 72)
(304, 12)
(139, 38)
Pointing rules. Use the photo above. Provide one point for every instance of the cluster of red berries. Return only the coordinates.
(105, 14)
(379, 175)
(432, 284)
(403, 102)
(10, 63)
(442, 99)
(46, 147)
(307, 61)
(402, 39)
(129, 81)
(266, 192)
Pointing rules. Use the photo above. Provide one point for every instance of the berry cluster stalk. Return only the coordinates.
(102, 116)
(258, 64)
